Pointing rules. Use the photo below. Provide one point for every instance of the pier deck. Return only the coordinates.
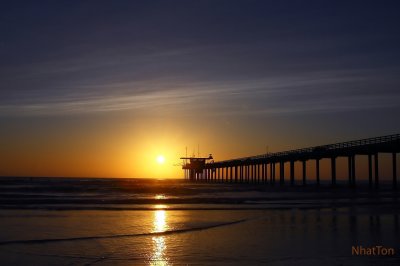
(261, 168)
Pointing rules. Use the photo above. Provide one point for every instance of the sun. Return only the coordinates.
(160, 159)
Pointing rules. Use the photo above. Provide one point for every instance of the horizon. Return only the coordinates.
(384, 172)
(122, 89)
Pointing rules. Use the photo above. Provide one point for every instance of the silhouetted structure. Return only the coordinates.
(195, 168)
(254, 169)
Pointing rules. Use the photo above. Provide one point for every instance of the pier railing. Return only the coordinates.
(323, 148)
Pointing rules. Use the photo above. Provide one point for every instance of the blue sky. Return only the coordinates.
(75, 56)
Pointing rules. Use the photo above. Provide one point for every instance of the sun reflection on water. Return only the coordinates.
(160, 196)
(159, 223)
(158, 257)
(160, 206)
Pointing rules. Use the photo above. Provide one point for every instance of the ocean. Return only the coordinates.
(61, 221)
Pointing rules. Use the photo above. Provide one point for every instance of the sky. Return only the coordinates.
(101, 88)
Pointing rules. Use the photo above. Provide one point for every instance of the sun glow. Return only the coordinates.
(160, 159)
(156, 157)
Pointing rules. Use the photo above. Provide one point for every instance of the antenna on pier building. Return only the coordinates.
(196, 165)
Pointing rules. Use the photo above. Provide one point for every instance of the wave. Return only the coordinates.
(168, 232)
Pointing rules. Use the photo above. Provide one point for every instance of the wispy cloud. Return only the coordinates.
(314, 92)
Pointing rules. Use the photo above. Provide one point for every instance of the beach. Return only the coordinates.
(131, 222)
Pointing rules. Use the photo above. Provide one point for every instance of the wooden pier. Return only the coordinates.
(261, 168)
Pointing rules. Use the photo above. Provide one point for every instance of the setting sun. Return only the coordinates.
(160, 159)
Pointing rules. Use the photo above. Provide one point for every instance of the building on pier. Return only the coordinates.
(194, 169)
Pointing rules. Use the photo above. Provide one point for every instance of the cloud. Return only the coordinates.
(312, 92)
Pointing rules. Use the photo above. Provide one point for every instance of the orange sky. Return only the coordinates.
(120, 146)
(113, 147)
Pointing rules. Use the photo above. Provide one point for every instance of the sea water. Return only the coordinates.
(173, 222)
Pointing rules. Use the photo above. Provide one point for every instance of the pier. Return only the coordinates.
(261, 168)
